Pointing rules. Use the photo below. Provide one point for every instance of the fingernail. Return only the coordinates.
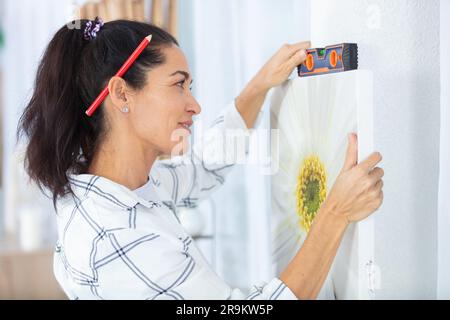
(350, 135)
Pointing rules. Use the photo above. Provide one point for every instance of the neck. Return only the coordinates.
(126, 163)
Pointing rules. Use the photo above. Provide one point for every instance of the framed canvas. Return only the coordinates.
(311, 117)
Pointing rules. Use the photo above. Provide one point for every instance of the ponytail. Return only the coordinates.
(61, 139)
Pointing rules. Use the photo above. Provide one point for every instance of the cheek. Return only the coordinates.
(157, 123)
(149, 123)
(160, 128)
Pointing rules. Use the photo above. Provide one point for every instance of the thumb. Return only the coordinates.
(351, 158)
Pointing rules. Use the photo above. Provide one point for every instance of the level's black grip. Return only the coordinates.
(350, 56)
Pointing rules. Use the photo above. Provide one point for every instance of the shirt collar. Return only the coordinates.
(104, 189)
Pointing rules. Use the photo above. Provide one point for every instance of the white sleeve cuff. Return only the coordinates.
(274, 290)
(234, 120)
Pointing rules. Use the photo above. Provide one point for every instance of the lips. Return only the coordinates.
(186, 125)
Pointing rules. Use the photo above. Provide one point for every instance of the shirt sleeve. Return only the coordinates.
(135, 264)
(194, 176)
(272, 290)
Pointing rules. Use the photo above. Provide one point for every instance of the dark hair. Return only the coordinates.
(62, 139)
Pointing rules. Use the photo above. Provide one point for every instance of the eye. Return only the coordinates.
(181, 84)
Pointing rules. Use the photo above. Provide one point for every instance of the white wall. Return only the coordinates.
(399, 41)
(444, 179)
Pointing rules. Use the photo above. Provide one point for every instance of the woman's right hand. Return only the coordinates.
(357, 191)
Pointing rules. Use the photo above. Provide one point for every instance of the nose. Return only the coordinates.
(194, 107)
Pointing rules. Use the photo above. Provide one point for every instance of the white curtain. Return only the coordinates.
(444, 175)
(28, 27)
(226, 43)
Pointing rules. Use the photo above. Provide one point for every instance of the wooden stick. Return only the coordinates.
(157, 13)
(173, 17)
(103, 12)
(82, 12)
(139, 10)
(128, 9)
(114, 9)
(91, 10)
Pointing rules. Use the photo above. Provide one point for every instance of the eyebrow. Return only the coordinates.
(184, 73)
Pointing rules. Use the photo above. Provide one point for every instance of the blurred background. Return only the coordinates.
(225, 41)
(406, 43)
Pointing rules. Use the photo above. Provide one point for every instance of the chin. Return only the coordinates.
(179, 142)
(177, 149)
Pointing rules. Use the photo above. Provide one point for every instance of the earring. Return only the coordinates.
(125, 109)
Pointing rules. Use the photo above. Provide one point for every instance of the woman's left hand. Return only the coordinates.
(281, 64)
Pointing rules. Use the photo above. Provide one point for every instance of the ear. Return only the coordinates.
(118, 92)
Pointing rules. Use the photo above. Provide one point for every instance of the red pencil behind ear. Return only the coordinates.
(98, 101)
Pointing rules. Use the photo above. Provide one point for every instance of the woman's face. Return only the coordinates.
(163, 110)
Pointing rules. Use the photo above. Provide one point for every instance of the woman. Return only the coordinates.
(119, 236)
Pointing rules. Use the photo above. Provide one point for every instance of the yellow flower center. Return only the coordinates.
(311, 190)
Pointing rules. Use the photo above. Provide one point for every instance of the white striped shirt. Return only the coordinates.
(114, 243)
